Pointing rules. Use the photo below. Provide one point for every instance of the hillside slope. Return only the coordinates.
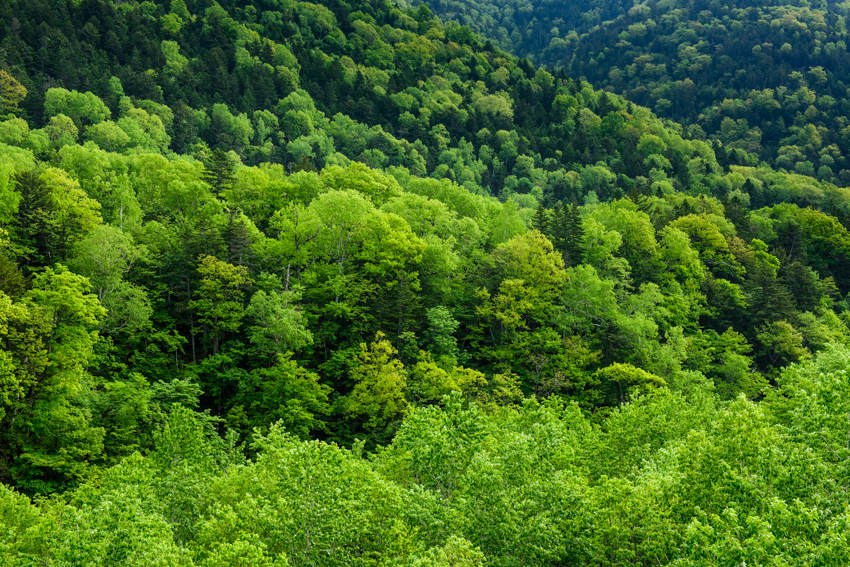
(768, 77)
(289, 284)
(384, 87)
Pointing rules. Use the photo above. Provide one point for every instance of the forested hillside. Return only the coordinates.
(287, 283)
(768, 77)
(384, 87)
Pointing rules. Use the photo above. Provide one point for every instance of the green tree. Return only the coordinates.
(12, 93)
(48, 341)
(378, 396)
(541, 222)
(280, 325)
(288, 394)
(219, 171)
(105, 256)
(219, 299)
(35, 222)
(573, 235)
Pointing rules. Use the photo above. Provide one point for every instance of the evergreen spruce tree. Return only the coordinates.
(639, 199)
(218, 171)
(35, 225)
(558, 228)
(756, 196)
(737, 212)
(304, 164)
(684, 209)
(769, 300)
(541, 222)
(237, 238)
(842, 217)
(574, 247)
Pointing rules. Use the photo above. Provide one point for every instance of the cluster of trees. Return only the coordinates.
(536, 30)
(309, 85)
(334, 303)
(671, 478)
(482, 315)
(767, 78)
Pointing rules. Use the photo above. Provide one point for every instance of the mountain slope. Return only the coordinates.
(424, 96)
(770, 78)
(223, 206)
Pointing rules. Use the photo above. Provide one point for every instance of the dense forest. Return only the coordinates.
(285, 283)
(767, 77)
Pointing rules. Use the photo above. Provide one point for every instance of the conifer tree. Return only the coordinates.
(304, 164)
(639, 199)
(35, 223)
(558, 228)
(574, 242)
(218, 171)
(541, 222)
(737, 212)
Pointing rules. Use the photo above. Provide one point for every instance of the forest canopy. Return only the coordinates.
(767, 77)
(285, 283)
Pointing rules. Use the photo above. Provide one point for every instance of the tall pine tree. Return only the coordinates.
(218, 171)
(574, 241)
(35, 224)
(541, 222)
(557, 227)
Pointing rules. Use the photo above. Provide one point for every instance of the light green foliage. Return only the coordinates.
(14, 131)
(711, 244)
(457, 552)
(12, 93)
(219, 300)
(116, 525)
(293, 494)
(377, 187)
(108, 136)
(61, 131)
(49, 338)
(187, 458)
(233, 131)
(600, 246)
(639, 246)
(428, 381)
(82, 108)
(626, 381)
(679, 258)
(442, 327)
(145, 131)
(379, 377)
(811, 403)
(105, 256)
(279, 323)
(76, 214)
(175, 62)
(341, 213)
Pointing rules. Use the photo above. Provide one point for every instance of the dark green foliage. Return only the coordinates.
(541, 221)
(574, 235)
(768, 79)
(34, 223)
(218, 171)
